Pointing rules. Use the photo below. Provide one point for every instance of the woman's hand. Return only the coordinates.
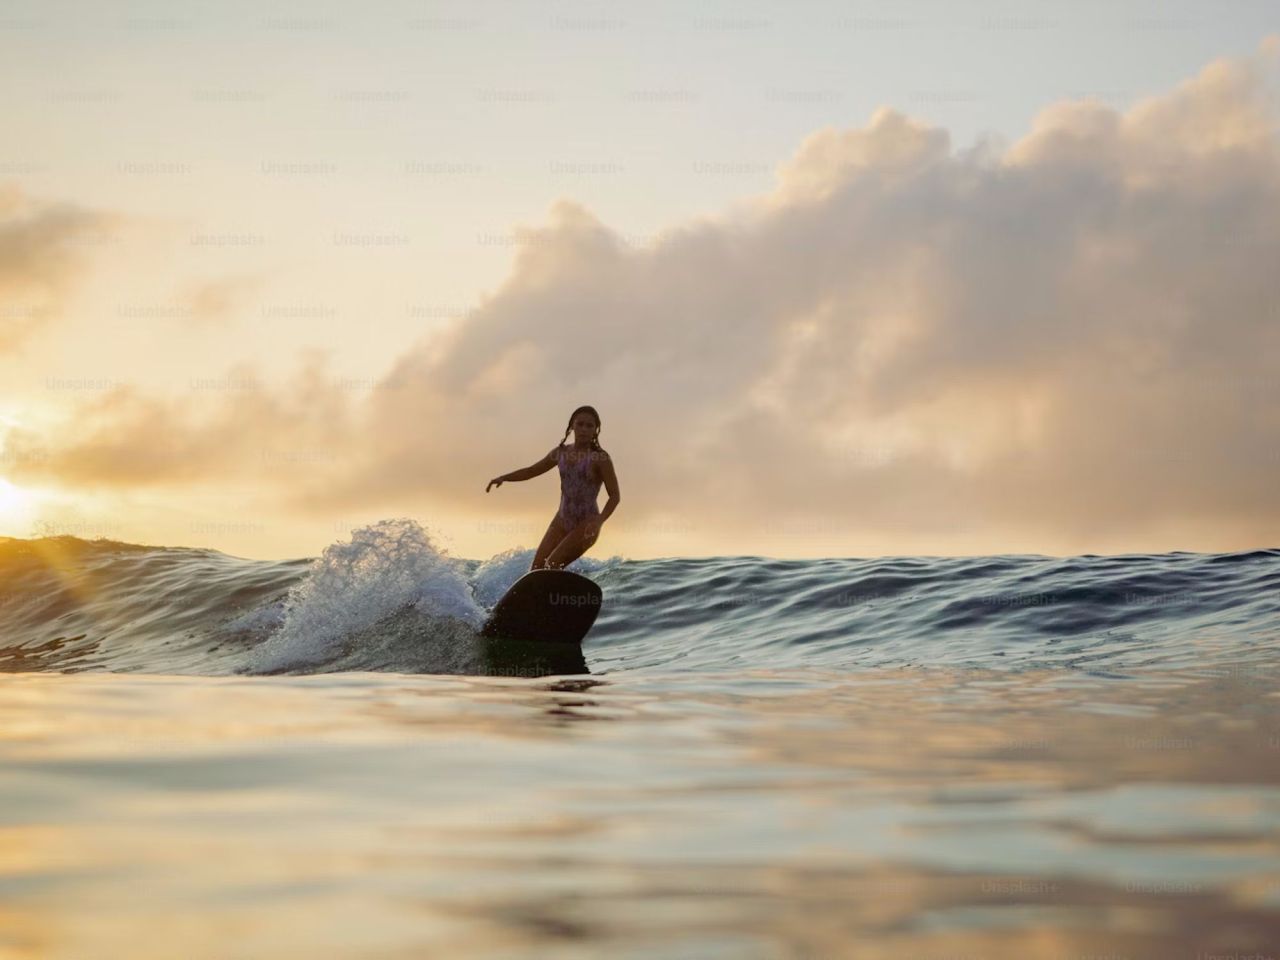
(591, 528)
(497, 480)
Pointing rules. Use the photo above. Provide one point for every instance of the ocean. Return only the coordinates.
(1010, 756)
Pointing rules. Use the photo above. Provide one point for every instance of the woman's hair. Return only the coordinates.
(595, 441)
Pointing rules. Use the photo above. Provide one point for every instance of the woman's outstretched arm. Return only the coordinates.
(527, 473)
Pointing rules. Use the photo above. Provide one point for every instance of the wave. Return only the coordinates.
(390, 599)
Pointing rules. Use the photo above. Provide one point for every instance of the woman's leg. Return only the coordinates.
(555, 533)
(574, 545)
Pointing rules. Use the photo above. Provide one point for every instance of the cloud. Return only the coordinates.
(1068, 343)
(232, 427)
(216, 301)
(41, 247)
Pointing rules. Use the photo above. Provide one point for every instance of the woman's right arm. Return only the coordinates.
(527, 473)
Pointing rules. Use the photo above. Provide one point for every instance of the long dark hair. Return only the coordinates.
(595, 441)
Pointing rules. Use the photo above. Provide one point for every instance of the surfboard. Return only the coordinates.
(538, 626)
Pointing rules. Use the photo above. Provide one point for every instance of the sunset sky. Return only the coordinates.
(841, 279)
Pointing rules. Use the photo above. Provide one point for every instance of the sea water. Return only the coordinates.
(907, 757)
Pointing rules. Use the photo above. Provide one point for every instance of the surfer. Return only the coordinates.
(583, 467)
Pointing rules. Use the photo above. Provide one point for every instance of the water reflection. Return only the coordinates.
(908, 813)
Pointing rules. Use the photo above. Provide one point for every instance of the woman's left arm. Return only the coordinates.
(610, 479)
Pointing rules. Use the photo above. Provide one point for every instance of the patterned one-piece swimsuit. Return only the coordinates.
(578, 492)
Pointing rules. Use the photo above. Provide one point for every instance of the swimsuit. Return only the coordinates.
(578, 491)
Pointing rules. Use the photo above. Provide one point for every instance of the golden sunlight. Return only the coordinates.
(16, 509)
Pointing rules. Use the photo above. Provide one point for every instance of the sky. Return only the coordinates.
(841, 279)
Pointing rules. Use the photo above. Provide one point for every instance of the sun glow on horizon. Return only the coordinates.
(17, 508)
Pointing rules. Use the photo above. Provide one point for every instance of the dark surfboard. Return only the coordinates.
(537, 627)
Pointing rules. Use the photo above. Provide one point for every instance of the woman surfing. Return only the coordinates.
(583, 467)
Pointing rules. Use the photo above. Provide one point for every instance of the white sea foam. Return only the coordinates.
(384, 568)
